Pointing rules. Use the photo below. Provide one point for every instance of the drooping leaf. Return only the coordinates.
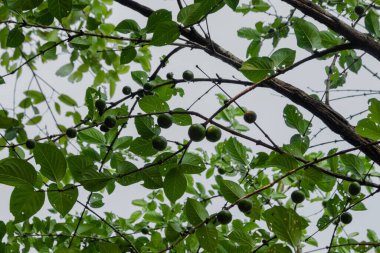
(175, 184)
(286, 224)
(307, 35)
(60, 8)
(63, 199)
(230, 190)
(195, 211)
(25, 202)
(257, 69)
(207, 236)
(51, 160)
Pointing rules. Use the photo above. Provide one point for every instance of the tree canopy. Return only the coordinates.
(225, 185)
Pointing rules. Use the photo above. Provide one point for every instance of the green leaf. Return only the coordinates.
(236, 150)
(17, 172)
(165, 33)
(60, 8)
(286, 224)
(93, 180)
(67, 100)
(127, 26)
(257, 69)
(6, 123)
(23, 4)
(232, 3)
(152, 178)
(127, 55)
(181, 119)
(329, 39)
(34, 121)
(372, 23)
(282, 161)
(207, 236)
(153, 103)
(175, 184)
(369, 129)
(230, 190)
(195, 212)
(108, 247)
(63, 199)
(140, 77)
(248, 33)
(353, 163)
(278, 248)
(142, 147)
(92, 136)
(314, 177)
(294, 119)
(193, 13)
(192, 164)
(15, 38)
(125, 167)
(156, 18)
(25, 202)
(307, 35)
(283, 58)
(65, 70)
(80, 43)
(146, 128)
(374, 108)
(52, 161)
(242, 238)
(78, 165)
(2, 81)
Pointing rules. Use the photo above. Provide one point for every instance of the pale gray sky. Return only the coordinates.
(265, 102)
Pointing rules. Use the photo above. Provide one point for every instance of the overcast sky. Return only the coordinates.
(266, 103)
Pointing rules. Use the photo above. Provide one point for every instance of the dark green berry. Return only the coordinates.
(197, 132)
(250, 117)
(354, 188)
(159, 143)
(148, 87)
(245, 205)
(30, 144)
(104, 128)
(71, 132)
(100, 105)
(298, 196)
(140, 93)
(359, 10)
(170, 75)
(127, 90)
(188, 75)
(164, 120)
(213, 133)
(145, 230)
(346, 218)
(224, 217)
(110, 121)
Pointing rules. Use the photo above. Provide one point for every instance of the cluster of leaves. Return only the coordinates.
(176, 214)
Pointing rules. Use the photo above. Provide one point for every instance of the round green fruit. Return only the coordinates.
(164, 120)
(159, 143)
(224, 217)
(197, 132)
(298, 196)
(71, 132)
(250, 117)
(188, 75)
(100, 105)
(104, 128)
(170, 75)
(30, 144)
(213, 133)
(359, 10)
(127, 90)
(245, 205)
(148, 87)
(354, 188)
(145, 230)
(110, 121)
(346, 218)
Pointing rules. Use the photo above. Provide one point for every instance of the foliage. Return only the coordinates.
(96, 152)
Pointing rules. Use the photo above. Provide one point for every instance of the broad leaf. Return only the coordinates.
(60, 8)
(175, 184)
(63, 199)
(25, 202)
(17, 172)
(52, 161)
(257, 69)
(195, 211)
